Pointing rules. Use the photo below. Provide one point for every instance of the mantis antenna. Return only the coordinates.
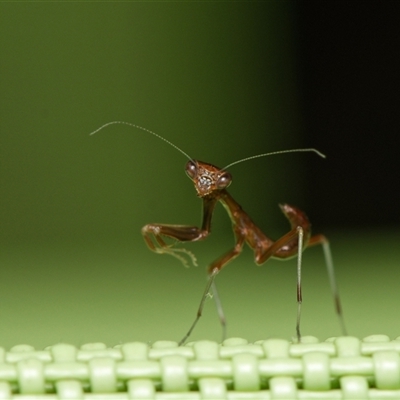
(276, 152)
(143, 129)
(191, 159)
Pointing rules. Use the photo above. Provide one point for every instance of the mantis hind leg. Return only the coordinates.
(292, 244)
(288, 246)
(324, 242)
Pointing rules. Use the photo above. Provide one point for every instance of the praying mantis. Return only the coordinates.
(211, 183)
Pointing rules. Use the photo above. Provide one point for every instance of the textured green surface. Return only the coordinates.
(340, 368)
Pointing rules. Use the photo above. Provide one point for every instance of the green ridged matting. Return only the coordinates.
(338, 368)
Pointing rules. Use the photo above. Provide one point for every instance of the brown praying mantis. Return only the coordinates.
(211, 185)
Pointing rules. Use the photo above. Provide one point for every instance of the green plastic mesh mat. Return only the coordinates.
(339, 368)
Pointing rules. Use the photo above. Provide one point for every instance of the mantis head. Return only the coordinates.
(207, 178)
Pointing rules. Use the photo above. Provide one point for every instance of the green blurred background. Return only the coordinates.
(217, 79)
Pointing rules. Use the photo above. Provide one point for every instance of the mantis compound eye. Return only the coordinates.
(224, 180)
(191, 169)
